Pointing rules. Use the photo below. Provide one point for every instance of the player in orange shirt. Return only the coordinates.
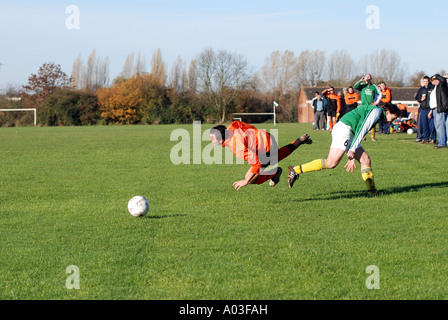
(351, 99)
(386, 98)
(333, 105)
(257, 147)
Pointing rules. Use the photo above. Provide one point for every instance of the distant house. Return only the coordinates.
(402, 95)
(13, 98)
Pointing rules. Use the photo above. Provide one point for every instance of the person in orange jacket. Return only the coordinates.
(351, 99)
(333, 105)
(258, 148)
(385, 99)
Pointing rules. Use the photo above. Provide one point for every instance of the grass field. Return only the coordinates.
(63, 202)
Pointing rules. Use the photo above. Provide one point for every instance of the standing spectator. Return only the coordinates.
(440, 95)
(319, 114)
(343, 105)
(426, 116)
(385, 99)
(368, 91)
(351, 99)
(333, 106)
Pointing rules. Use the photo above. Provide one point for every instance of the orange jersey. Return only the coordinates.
(387, 95)
(334, 97)
(351, 98)
(247, 142)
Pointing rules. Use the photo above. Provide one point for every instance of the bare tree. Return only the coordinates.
(278, 73)
(384, 65)
(220, 76)
(176, 79)
(341, 68)
(310, 67)
(103, 73)
(91, 71)
(77, 73)
(192, 80)
(128, 67)
(93, 75)
(140, 64)
(158, 68)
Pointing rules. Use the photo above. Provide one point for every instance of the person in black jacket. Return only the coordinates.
(426, 118)
(440, 93)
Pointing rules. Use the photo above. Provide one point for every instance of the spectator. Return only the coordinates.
(439, 97)
(368, 91)
(385, 99)
(319, 114)
(333, 106)
(343, 105)
(426, 117)
(351, 99)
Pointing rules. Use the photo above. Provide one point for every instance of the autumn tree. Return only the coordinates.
(221, 75)
(49, 77)
(119, 104)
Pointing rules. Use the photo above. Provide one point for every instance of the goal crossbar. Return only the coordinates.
(25, 109)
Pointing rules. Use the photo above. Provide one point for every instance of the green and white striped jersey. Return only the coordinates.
(361, 120)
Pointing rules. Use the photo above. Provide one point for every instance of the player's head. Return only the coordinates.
(218, 134)
(392, 112)
(426, 81)
(350, 89)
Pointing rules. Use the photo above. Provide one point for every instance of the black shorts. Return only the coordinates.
(331, 112)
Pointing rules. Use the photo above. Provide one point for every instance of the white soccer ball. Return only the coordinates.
(138, 206)
(410, 131)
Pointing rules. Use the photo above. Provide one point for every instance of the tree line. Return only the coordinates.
(209, 88)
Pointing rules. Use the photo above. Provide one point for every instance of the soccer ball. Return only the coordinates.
(410, 131)
(138, 206)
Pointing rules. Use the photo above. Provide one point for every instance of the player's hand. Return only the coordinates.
(337, 115)
(239, 184)
(350, 165)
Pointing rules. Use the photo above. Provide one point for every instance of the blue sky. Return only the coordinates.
(35, 32)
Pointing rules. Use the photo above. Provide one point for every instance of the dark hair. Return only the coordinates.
(426, 77)
(392, 108)
(219, 131)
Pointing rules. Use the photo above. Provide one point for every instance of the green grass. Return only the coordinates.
(63, 201)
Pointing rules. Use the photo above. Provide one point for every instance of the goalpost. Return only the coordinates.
(26, 109)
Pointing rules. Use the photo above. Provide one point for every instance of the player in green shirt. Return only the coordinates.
(368, 92)
(346, 136)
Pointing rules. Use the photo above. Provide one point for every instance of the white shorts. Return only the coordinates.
(341, 136)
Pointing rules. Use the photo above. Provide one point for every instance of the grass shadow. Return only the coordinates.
(165, 216)
(363, 194)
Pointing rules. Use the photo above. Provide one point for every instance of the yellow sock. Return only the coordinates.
(367, 176)
(315, 165)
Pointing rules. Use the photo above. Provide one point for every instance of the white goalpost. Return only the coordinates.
(26, 109)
